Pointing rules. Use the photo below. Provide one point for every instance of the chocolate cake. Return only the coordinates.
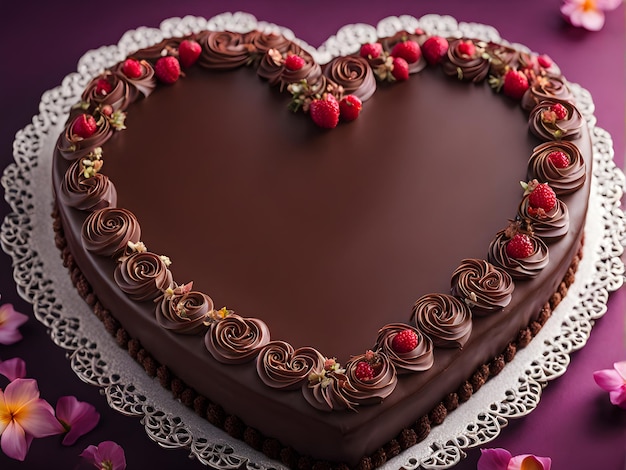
(324, 259)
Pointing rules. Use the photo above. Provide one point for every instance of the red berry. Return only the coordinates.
(466, 48)
(544, 61)
(408, 50)
(515, 84)
(364, 371)
(400, 70)
(434, 49)
(84, 126)
(132, 68)
(167, 69)
(559, 159)
(325, 112)
(520, 246)
(559, 110)
(188, 52)
(371, 50)
(404, 341)
(542, 197)
(294, 62)
(350, 107)
(103, 87)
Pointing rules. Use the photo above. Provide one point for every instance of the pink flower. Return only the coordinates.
(10, 321)
(614, 382)
(588, 14)
(501, 459)
(106, 456)
(24, 416)
(77, 418)
(14, 368)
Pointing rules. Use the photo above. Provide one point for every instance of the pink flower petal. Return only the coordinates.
(620, 367)
(20, 392)
(608, 379)
(106, 451)
(618, 397)
(493, 459)
(14, 368)
(13, 441)
(529, 462)
(608, 5)
(10, 321)
(79, 417)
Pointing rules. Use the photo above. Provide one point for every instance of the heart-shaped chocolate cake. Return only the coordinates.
(324, 259)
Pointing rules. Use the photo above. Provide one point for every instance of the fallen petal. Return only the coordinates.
(493, 459)
(14, 368)
(79, 417)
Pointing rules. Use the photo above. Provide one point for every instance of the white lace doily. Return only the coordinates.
(42, 280)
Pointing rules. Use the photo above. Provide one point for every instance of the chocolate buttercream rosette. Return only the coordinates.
(72, 146)
(108, 89)
(546, 87)
(518, 268)
(86, 193)
(141, 86)
(222, 50)
(327, 389)
(549, 225)
(371, 389)
(272, 68)
(235, 340)
(444, 319)
(545, 123)
(108, 231)
(466, 60)
(143, 276)
(483, 287)
(281, 366)
(353, 74)
(184, 311)
(260, 42)
(562, 178)
(418, 359)
(389, 42)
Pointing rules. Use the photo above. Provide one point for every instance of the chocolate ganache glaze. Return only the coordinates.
(322, 246)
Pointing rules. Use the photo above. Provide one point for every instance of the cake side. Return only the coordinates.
(350, 428)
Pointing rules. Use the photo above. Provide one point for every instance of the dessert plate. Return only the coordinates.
(95, 357)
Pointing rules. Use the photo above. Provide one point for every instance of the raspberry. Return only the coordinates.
(400, 70)
(350, 107)
(520, 246)
(103, 87)
(188, 52)
(515, 84)
(404, 341)
(544, 61)
(167, 69)
(294, 62)
(559, 159)
(84, 126)
(559, 110)
(542, 197)
(408, 50)
(364, 371)
(132, 68)
(371, 50)
(434, 49)
(466, 48)
(325, 112)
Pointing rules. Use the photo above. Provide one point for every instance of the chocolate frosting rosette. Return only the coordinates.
(280, 366)
(143, 276)
(107, 231)
(235, 340)
(483, 287)
(549, 225)
(564, 178)
(72, 146)
(374, 385)
(354, 74)
(466, 60)
(519, 268)
(222, 50)
(545, 123)
(327, 388)
(184, 311)
(444, 319)
(544, 88)
(151, 54)
(108, 89)
(143, 85)
(261, 42)
(389, 42)
(272, 68)
(418, 359)
(86, 193)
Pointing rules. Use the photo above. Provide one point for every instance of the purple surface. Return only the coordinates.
(574, 423)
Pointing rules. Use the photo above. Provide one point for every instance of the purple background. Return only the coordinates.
(574, 423)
